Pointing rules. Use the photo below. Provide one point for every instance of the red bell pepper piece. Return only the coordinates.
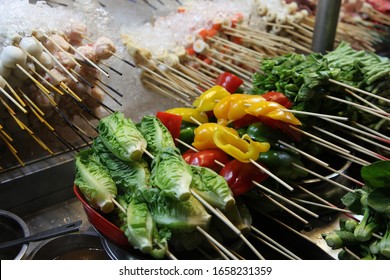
(239, 176)
(278, 97)
(229, 81)
(207, 158)
(172, 123)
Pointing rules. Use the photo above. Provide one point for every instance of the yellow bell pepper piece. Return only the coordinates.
(243, 149)
(190, 115)
(272, 110)
(207, 100)
(204, 134)
(233, 107)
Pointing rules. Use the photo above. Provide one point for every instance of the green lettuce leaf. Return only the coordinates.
(121, 137)
(156, 134)
(130, 177)
(212, 187)
(94, 181)
(178, 216)
(171, 174)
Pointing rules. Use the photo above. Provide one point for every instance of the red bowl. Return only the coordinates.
(101, 223)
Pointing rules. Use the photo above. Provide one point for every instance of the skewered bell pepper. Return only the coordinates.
(233, 107)
(278, 97)
(172, 123)
(272, 110)
(189, 115)
(207, 100)
(204, 135)
(207, 158)
(243, 149)
(229, 81)
(239, 176)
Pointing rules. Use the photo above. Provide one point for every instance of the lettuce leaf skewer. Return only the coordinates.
(171, 174)
(156, 135)
(141, 230)
(94, 181)
(121, 137)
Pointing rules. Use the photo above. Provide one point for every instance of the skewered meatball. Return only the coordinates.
(104, 47)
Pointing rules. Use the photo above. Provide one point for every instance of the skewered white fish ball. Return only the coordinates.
(31, 46)
(46, 60)
(4, 71)
(271, 15)
(12, 55)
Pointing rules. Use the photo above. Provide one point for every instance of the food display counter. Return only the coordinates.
(179, 61)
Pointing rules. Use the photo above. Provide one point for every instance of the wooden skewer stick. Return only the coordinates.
(215, 247)
(13, 100)
(223, 218)
(12, 150)
(330, 144)
(369, 110)
(364, 100)
(57, 62)
(316, 114)
(239, 233)
(163, 92)
(89, 61)
(371, 142)
(322, 177)
(352, 145)
(372, 131)
(351, 253)
(216, 243)
(117, 204)
(286, 209)
(15, 94)
(285, 199)
(269, 173)
(68, 55)
(48, 83)
(273, 247)
(275, 243)
(312, 158)
(359, 90)
(321, 205)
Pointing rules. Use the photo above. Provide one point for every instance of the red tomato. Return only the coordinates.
(278, 97)
(172, 123)
(239, 176)
(207, 158)
(229, 81)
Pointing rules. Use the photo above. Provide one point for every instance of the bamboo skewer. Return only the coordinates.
(359, 90)
(216, 248)
(286, 199)
(222, 217)
(263, 235)
(273, 247)
(216, 243)
(322, 205)
(316, 114)
(286, 209)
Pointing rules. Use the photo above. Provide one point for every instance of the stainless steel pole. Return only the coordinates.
(327, 16)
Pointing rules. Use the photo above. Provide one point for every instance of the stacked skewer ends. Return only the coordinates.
(47, 82)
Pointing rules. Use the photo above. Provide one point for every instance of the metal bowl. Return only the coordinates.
(12, 227)
(74, 246)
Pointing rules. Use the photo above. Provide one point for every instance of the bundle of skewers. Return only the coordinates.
(53, 87)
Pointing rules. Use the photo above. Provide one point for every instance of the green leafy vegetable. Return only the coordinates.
(94, 181)
(130, 176)
(140, 229)
(212, 187)
(156, 134)
(377, 174)
(171, 174)
(178, 216)
(121, 137)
